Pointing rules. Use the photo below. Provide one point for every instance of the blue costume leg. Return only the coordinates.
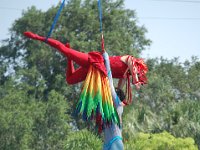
(115, 144)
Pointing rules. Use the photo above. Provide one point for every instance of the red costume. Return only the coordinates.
(83, 60)
(95, 58)
(137, 69)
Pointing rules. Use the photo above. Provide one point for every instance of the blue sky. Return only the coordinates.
(173, 25)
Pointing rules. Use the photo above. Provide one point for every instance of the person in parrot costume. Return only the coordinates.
(99, 99)
(122, 67)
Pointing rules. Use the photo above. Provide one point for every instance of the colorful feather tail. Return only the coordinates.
(96, 99)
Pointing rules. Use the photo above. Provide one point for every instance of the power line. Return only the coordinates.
(149, 18)
(180, 1)
(8, 8)
(168, 18)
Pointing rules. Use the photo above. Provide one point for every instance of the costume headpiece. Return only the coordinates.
(137, 69)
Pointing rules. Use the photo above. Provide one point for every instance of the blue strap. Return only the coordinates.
(100, 14)
(109, 144)
(55, 20)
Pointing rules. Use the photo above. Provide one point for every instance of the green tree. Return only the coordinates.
(26, 123)
(34, 96)
(79, 25)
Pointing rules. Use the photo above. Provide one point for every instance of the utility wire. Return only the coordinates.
(8, 8)
(168, 18)
(180, 1)
(149, 18)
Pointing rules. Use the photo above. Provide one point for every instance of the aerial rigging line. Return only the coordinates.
(55, 20)
(101, 25)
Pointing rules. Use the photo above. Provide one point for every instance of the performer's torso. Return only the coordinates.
(117, 66)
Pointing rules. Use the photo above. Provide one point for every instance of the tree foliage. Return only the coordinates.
(36, 105)
(170, 102)
(26, 123)
(83, 140)
(161, 141)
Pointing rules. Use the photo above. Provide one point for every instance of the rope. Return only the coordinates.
(100, 15)
(101, 29)
(55, 20)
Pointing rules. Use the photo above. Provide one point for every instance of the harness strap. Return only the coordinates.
(55, 20)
